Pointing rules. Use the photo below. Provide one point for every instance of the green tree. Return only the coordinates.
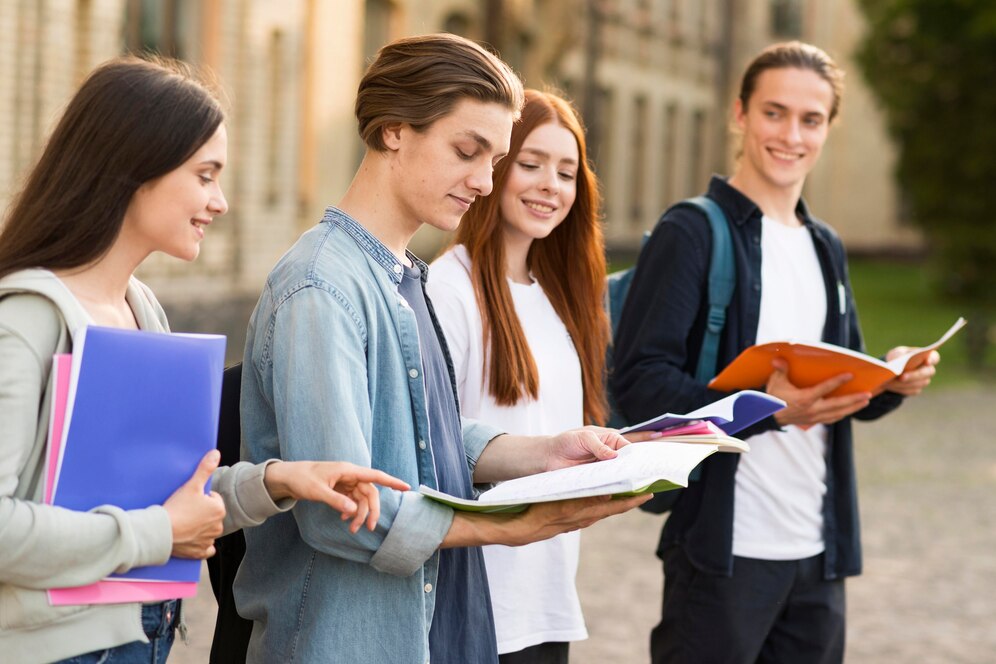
(932, 65)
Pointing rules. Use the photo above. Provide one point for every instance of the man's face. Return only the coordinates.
(784, 126)
(437, 173)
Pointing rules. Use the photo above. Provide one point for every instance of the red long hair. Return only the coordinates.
(569, 264)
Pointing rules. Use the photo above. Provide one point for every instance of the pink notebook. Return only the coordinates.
(101, 592)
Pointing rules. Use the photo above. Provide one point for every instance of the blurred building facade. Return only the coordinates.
(654, 78)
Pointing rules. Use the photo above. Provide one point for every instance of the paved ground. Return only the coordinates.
(928, 594)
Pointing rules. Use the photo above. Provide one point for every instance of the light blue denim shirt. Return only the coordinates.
(333, 372)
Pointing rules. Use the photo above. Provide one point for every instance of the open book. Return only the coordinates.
(638, 468)
(814, 362)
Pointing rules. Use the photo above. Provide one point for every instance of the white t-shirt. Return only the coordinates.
(532, 587)
(781, 482)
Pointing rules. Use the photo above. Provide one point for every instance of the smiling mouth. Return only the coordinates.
(539, 207)
(785, 156)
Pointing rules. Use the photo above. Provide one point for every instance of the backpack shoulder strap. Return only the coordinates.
(722, 281)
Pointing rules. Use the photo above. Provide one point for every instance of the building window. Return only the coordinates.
(638, 173)
(274, 121)
(166, 27)
(697, 160)
(786, 18)
(669, 136)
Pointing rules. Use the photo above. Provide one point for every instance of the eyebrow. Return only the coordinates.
(782, 107)
(480, 140)
(542, 153)
(217, 165)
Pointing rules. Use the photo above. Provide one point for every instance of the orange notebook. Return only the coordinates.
(812, 363)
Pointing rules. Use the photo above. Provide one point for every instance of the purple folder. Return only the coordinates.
(143, 412)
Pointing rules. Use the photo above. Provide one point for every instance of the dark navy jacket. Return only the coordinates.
(656, 352)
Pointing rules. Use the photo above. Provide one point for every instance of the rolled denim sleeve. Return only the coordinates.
(315, 366)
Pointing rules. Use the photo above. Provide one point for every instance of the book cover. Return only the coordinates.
(814, 362)
(142, 410)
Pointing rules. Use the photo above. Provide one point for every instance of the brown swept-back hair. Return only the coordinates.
(794, 55)
(131, 121)
(418, 80)
(569, 264)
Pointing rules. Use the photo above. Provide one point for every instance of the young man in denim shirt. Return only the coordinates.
(344, 360)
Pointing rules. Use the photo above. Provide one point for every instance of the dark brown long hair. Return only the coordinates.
(569, 264)
(131, 121)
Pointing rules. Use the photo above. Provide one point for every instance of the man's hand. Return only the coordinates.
(913, 381)
(344, 487)
(807, 406)
(541, 521)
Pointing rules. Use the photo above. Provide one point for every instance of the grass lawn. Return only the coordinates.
(898, 306)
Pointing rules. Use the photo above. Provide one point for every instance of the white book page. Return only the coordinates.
(898, 364)
(637, 466)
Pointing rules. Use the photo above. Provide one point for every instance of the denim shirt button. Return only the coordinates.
(421, 444)
(398, 269)
(413, 373)
(428, 587)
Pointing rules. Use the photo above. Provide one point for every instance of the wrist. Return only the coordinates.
(275, 481)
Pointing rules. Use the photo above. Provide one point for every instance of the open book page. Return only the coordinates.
(639, 468)
(730, 414)
(912, 359)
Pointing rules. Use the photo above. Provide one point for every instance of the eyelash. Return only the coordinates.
(568, 177)
(465, 156)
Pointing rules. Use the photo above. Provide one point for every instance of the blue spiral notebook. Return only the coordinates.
(142, 412)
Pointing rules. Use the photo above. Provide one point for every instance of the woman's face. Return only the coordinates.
(172, 212)
(542, 183)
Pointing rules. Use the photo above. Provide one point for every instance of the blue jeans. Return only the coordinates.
(158, 621)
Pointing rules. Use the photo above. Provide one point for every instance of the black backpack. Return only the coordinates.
(231, 631)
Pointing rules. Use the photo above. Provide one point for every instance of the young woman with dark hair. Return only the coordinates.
(131, 168)
(519, 298)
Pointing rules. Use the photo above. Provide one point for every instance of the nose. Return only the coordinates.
(481, 179)
(550, 181)
(792, 132)
(217, 204)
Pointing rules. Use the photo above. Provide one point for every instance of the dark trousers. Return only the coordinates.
(768, 612)
(543, 653)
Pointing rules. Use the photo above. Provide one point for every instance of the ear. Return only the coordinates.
(739, 113)
(391, 134)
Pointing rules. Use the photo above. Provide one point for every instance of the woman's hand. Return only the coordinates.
(196, 517)
(345, 487)
(914, 381)
(642, 436)
(578, 446)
